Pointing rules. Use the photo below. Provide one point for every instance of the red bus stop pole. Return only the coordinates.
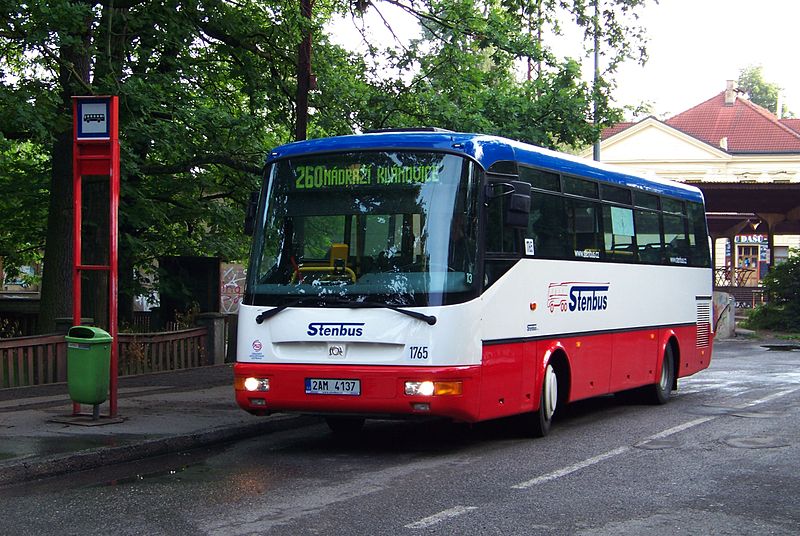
(95, 151)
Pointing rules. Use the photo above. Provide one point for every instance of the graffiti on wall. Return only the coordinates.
(232, 278)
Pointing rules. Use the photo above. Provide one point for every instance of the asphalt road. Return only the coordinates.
(721, 458)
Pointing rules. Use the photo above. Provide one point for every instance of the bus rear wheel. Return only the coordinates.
(542, 419)
(659, 392)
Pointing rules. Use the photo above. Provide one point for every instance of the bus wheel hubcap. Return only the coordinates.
(550, 395)
(665, 374)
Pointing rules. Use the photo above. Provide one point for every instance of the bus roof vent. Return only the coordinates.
(408, 129)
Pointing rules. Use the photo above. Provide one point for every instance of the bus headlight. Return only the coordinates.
(419, 388)
(428, 388)
(255, 384)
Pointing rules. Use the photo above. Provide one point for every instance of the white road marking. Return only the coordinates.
(571, 468)
(441, 516)
(770, 398)
(621, 450)
(680, 428)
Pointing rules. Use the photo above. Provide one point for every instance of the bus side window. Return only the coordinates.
(502, 250)
(618, 234)
(648, 236)
(699, 254)
(676, 239)
(500, 238)
(584, 228)
(547, 226)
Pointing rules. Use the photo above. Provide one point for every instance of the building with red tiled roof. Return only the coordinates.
(737, 126)
(729, 122)
(732, 149)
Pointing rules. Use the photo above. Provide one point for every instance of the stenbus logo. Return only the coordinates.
(336, 329)
(572, 296)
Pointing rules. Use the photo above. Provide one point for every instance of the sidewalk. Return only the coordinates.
(160, 413)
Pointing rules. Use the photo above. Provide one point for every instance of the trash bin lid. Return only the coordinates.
(87, 333)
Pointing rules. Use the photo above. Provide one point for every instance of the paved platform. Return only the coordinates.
(158, 414)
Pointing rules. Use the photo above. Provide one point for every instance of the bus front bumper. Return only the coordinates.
(380, 391)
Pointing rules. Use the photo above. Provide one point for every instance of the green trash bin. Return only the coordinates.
(88, 363)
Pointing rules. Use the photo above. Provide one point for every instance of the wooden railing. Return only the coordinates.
(33, 360)
(43, 359)
(157, 352)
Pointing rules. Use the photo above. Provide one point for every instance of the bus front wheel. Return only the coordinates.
(542, 418)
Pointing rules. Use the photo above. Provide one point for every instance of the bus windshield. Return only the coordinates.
(396, 227)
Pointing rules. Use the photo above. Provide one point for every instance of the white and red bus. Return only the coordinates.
(432, 273)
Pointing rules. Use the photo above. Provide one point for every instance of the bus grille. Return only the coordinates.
(703, 324)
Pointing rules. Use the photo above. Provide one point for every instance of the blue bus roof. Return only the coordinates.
(487, 150)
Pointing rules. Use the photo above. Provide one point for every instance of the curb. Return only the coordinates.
(27, 469)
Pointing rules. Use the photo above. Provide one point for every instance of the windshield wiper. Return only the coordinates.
(428, 319)
(266, 315)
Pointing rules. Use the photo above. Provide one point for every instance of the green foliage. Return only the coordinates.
(774, 318)
(23, 205)
(782, 283)
(207, 87)
(765, 94)
(782, 286)
(464, 72)
(203, 93)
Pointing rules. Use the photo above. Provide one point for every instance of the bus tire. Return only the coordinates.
(659, 392)
(542, 419)
(345, 426)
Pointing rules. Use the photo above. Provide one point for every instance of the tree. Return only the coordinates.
(765, 94)
(466, 69)
(202, 91)
(23, 181)
(782, 286)
(207, 87)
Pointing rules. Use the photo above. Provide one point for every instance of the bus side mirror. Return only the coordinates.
(518, 205)
(518, 208)
(250, 214)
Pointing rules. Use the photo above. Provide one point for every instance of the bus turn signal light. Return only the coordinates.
(447, 388)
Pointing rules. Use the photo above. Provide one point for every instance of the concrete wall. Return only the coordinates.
(724, 315)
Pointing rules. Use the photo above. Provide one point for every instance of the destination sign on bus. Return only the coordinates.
(328, 177)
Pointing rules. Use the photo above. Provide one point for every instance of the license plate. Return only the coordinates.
(329, 386)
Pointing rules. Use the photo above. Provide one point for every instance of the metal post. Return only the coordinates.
(596, 147)
(113, 256)
(77, 203)
(303, 76)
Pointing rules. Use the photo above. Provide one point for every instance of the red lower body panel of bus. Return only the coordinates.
(359, 390)
(507, 382)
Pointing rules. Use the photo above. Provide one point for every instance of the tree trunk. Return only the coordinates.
(56, 291)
